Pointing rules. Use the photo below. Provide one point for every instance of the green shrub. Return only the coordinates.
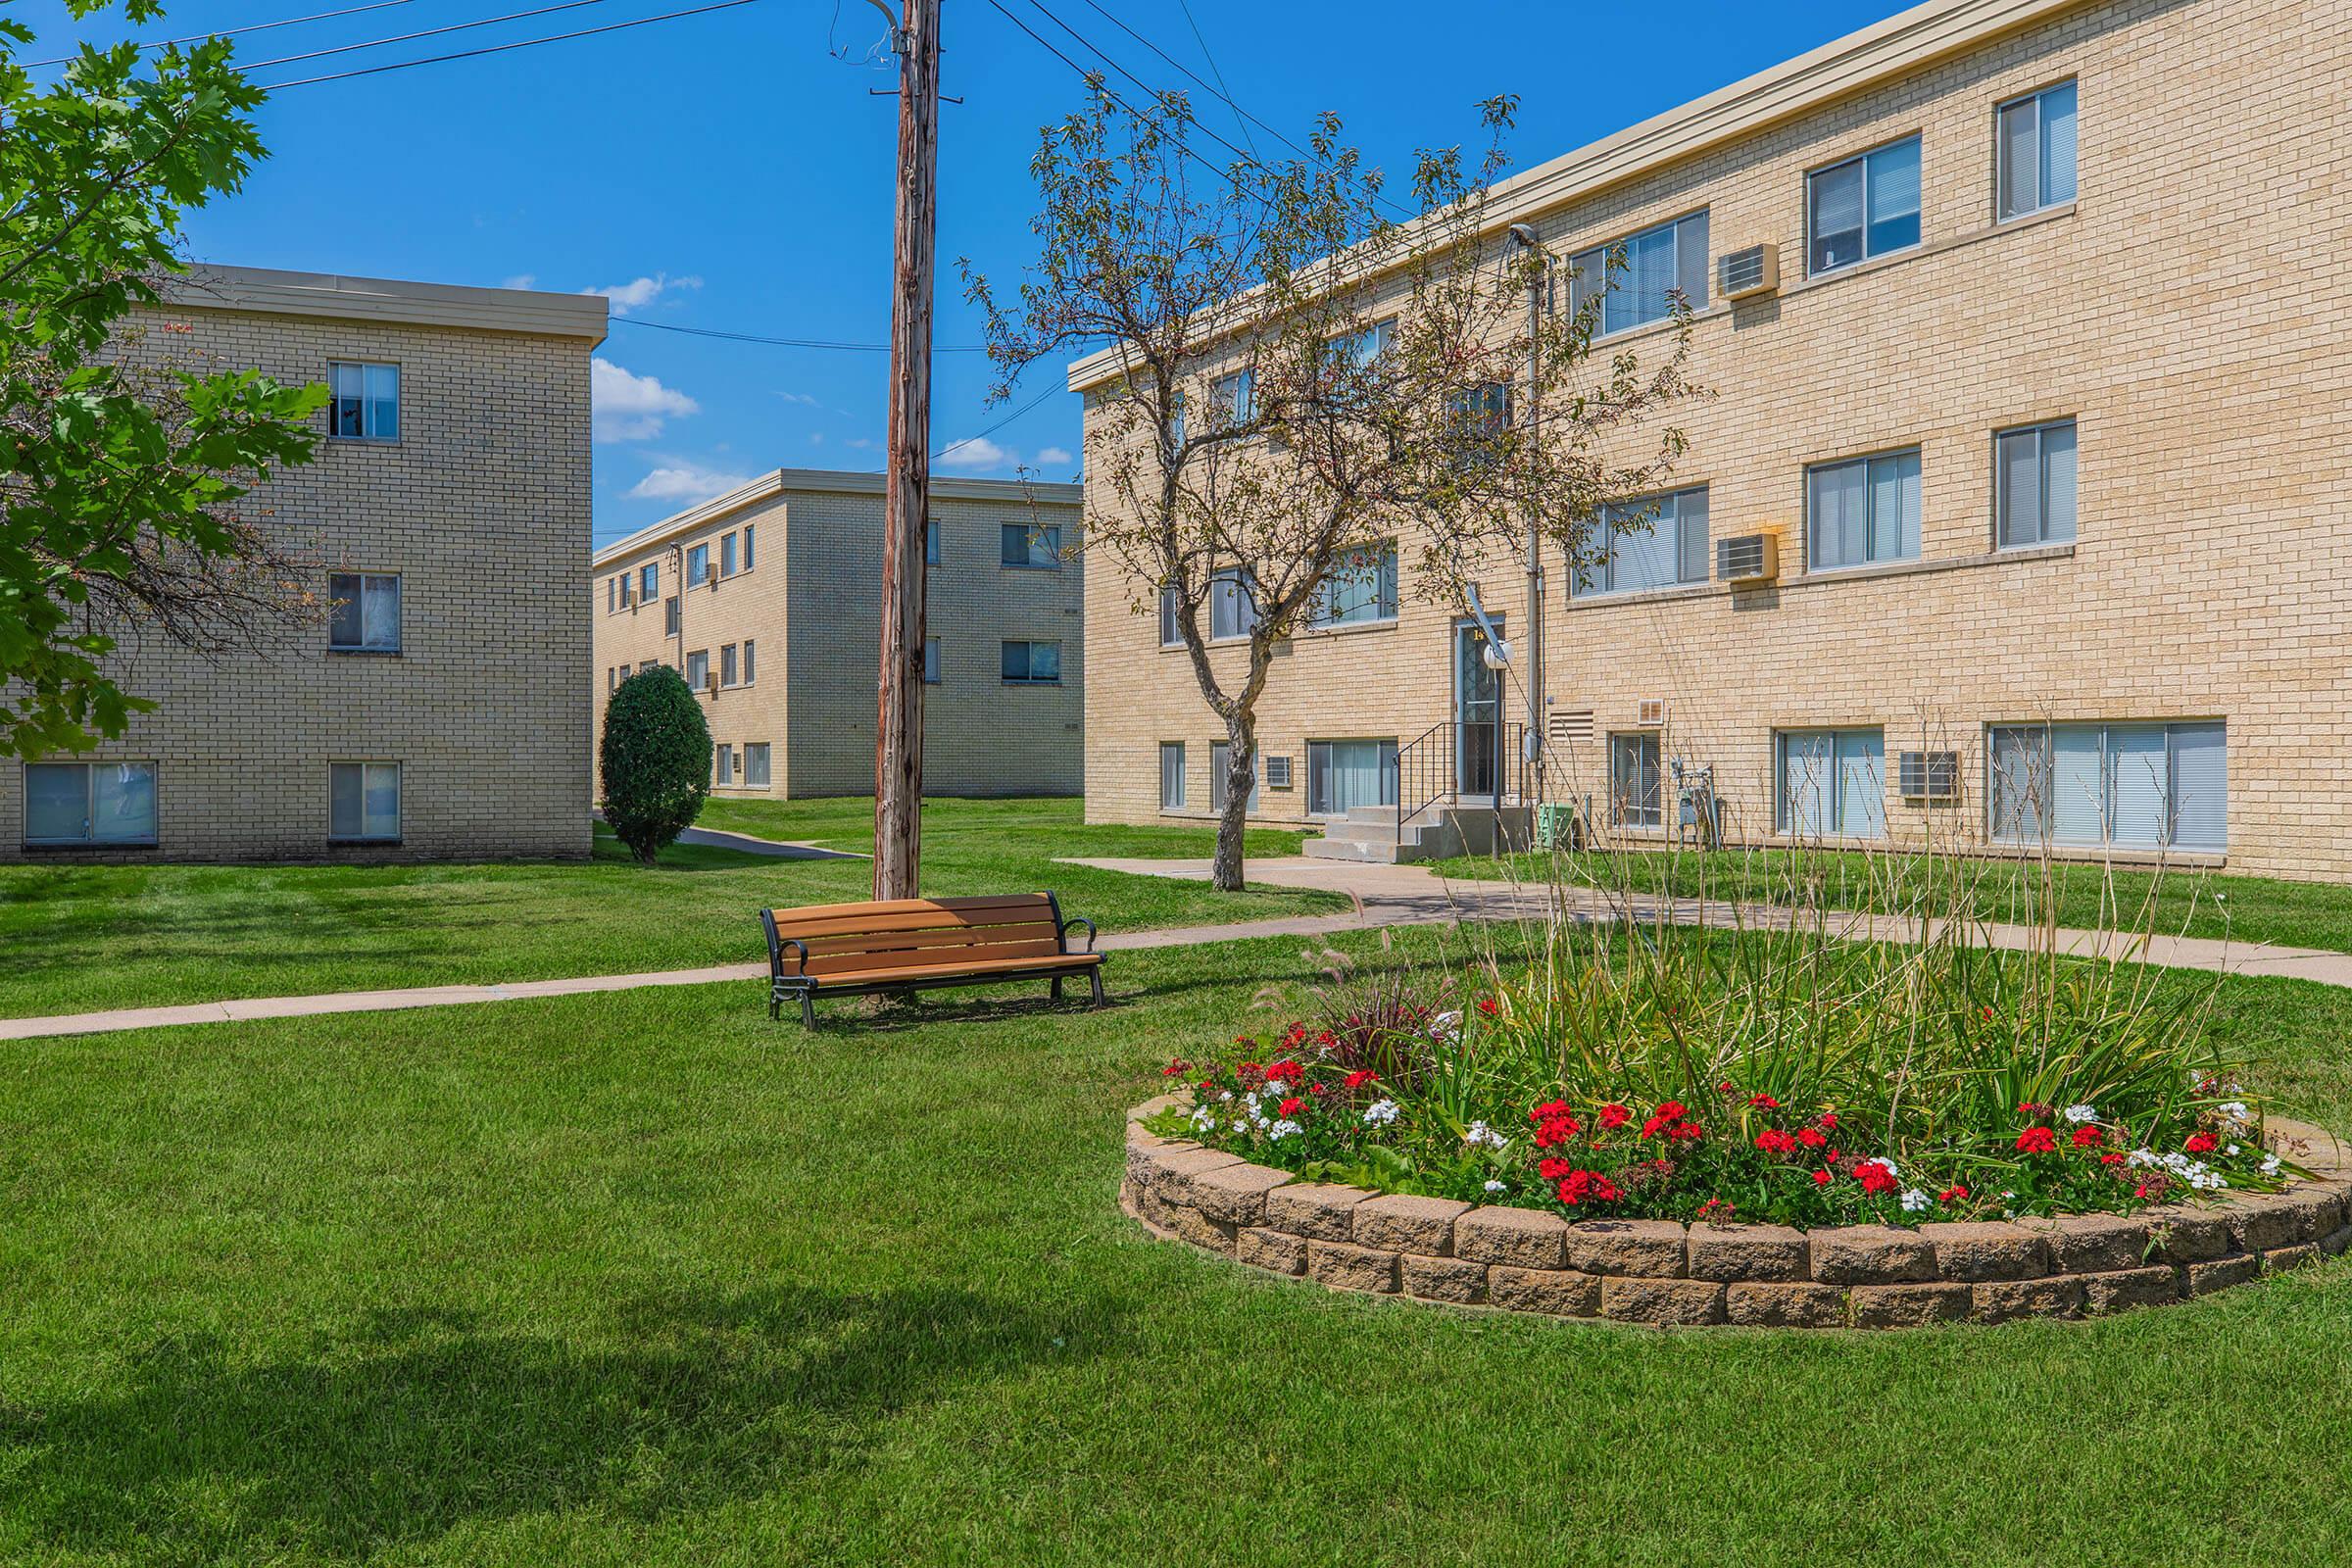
(656, 757)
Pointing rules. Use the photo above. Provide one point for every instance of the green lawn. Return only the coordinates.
(644, 1279)
(2243, 908)
(75, 939)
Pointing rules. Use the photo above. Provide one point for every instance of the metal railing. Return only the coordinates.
(1454, 761)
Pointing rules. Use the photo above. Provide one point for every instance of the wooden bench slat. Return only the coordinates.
(1063, 961)
(909, 920)
(955, 937)
(911, 906)
(932, 958)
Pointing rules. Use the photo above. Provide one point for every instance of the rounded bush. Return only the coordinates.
(656, 757)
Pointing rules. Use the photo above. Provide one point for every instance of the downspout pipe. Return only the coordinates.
(1522, 238)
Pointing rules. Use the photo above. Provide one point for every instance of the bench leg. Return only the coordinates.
(775, 1005)
(1056, 992)
(1096, 976)
(808, 1011)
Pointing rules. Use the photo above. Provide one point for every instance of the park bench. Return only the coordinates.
(902, 945)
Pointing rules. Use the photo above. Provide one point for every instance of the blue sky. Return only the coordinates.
(732, 172)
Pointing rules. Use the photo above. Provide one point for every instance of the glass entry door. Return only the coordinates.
(1476, 708)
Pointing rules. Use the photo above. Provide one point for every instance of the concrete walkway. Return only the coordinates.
(1383, 895)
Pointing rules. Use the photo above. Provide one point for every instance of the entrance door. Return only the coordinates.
(1476, 708)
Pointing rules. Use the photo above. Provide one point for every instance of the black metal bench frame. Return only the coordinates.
(807, 988)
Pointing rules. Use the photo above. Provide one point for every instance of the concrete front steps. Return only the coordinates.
(1369, 833)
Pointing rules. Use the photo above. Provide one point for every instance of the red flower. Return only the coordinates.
(1821, 1178)
(2111, 1158)
(1292, 1106)
(2089, 1138)
(1489, 1006)
(1556, 1130)
(1875, 1177)
(1250, 1069)
(1582, 1186)
(1685, 1132)
(1765, 1100)
(1614, 1116)
(2200, 1144)
(1207, 1083)
(1826, 1119)
(1956, 1191)
(1285, 1073)
(1717, 1208)
(1548, 1110)
(1773, 1141)
(1360, 1077)
(1554, 1169)
(1665, 1117)
(1175, 1067)
(1315, 1090)
(2142, 1190)
(1810, 1137)
(1724, 1087)
(2036, 1141)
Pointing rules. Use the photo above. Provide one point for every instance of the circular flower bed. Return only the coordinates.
(1716, 1269)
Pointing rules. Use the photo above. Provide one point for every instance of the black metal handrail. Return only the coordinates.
(1430, 768)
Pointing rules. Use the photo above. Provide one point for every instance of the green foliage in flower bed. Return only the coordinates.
(1781, 1074)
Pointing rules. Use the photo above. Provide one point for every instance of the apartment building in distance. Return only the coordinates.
(439, 706)
(2017, 510)
(768, 600)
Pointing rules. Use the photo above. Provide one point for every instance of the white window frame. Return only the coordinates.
(361, 580)
(1588, 272)
(400, 806)
(1833, 814)
(371, 430)
(728, 670)
(1384, 594)
(1029, 657)
(1232, 585)
(2003, 523)
(723, 765)
(2046, 806)
(1171, 630)
(1232, 398)
(1603, 571)
(1654, 818)
(726, 556)
(1172, 752)
(1865, 462)
(751, 662)
(698, 564)
(748, 561)
(90, 837)
(761, 751)
(1318, 807)
(2042, 202)
(1813, 179)
(649, 582)
(698, 669)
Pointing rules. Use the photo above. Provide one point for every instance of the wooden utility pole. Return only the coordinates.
(906, 487)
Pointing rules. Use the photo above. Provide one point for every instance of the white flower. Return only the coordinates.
(2270, 1164)
(1225, 1093)
(2236, 1111)
(2081, 1113)
(1495, 1187)
(1380, 1112)
(1445, 1026)
(2142, 1157)
(1284, 1128)
(1205, 1119)
(1914, 1200)
(1240, 1126)
(1480, 1133)
(2231, 1149)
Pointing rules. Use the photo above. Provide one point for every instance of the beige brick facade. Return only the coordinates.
(2183, 311)
(809, 606)
(481, 507)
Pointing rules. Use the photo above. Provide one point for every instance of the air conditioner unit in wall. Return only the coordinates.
(1739, 274)
(1749, 557)
(1928, 775)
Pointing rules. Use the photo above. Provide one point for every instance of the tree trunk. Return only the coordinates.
(905, 508)
(1240, 771)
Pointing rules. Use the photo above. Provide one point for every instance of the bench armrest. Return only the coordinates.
(792, 941)
(1090, 933)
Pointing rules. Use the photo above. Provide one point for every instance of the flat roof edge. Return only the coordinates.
(824, 481)
(271, 292)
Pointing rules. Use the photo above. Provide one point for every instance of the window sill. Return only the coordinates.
(361, 441)
(365, 653)
(1015, 566)
(1048, 684)
(1645, 596)
(84, 846)
(1351, 628)
(363, 844)
(1877, 264)
(1929, 564)
(2103, 855)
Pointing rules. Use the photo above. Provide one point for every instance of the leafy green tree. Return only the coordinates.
(1303, 377)
(125, 461)
(656, 761)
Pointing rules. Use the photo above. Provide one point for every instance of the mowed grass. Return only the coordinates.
(2187, 903)
(644, 1279)
(77, 939)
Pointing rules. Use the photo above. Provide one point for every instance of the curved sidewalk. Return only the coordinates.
(1383, 895)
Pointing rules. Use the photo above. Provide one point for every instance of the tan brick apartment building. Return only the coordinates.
(778, 627)
(2049, 420)
(441, 708)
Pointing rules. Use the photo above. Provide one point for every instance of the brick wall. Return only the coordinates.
(481, 508)
(2179, 312)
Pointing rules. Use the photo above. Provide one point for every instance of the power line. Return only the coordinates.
(428, 32)
(502, 48)
(789, 342)
(231, 32)
(964, 441)
(1096, 49)
(1223, 91)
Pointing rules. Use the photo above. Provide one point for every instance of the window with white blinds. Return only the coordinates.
(1832, 783)
(2130, 786)
(1864, 207)
(2036, 136)
(1636, 286)
(1656, 542)
(2034, 485)
(1171, 775)
(1862, 511)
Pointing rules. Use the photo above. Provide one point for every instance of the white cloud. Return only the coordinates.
(684, 480)
(975, 451)
(632, 407)
(520, 280)
(638, 293)
(799, 397)
(863, 443)
(1053, 457)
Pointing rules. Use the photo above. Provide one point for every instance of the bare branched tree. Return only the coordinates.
(1299, 381)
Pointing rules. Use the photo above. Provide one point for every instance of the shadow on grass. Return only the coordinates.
(417, 1421)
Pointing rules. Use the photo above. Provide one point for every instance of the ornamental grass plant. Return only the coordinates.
(1957, 1055)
